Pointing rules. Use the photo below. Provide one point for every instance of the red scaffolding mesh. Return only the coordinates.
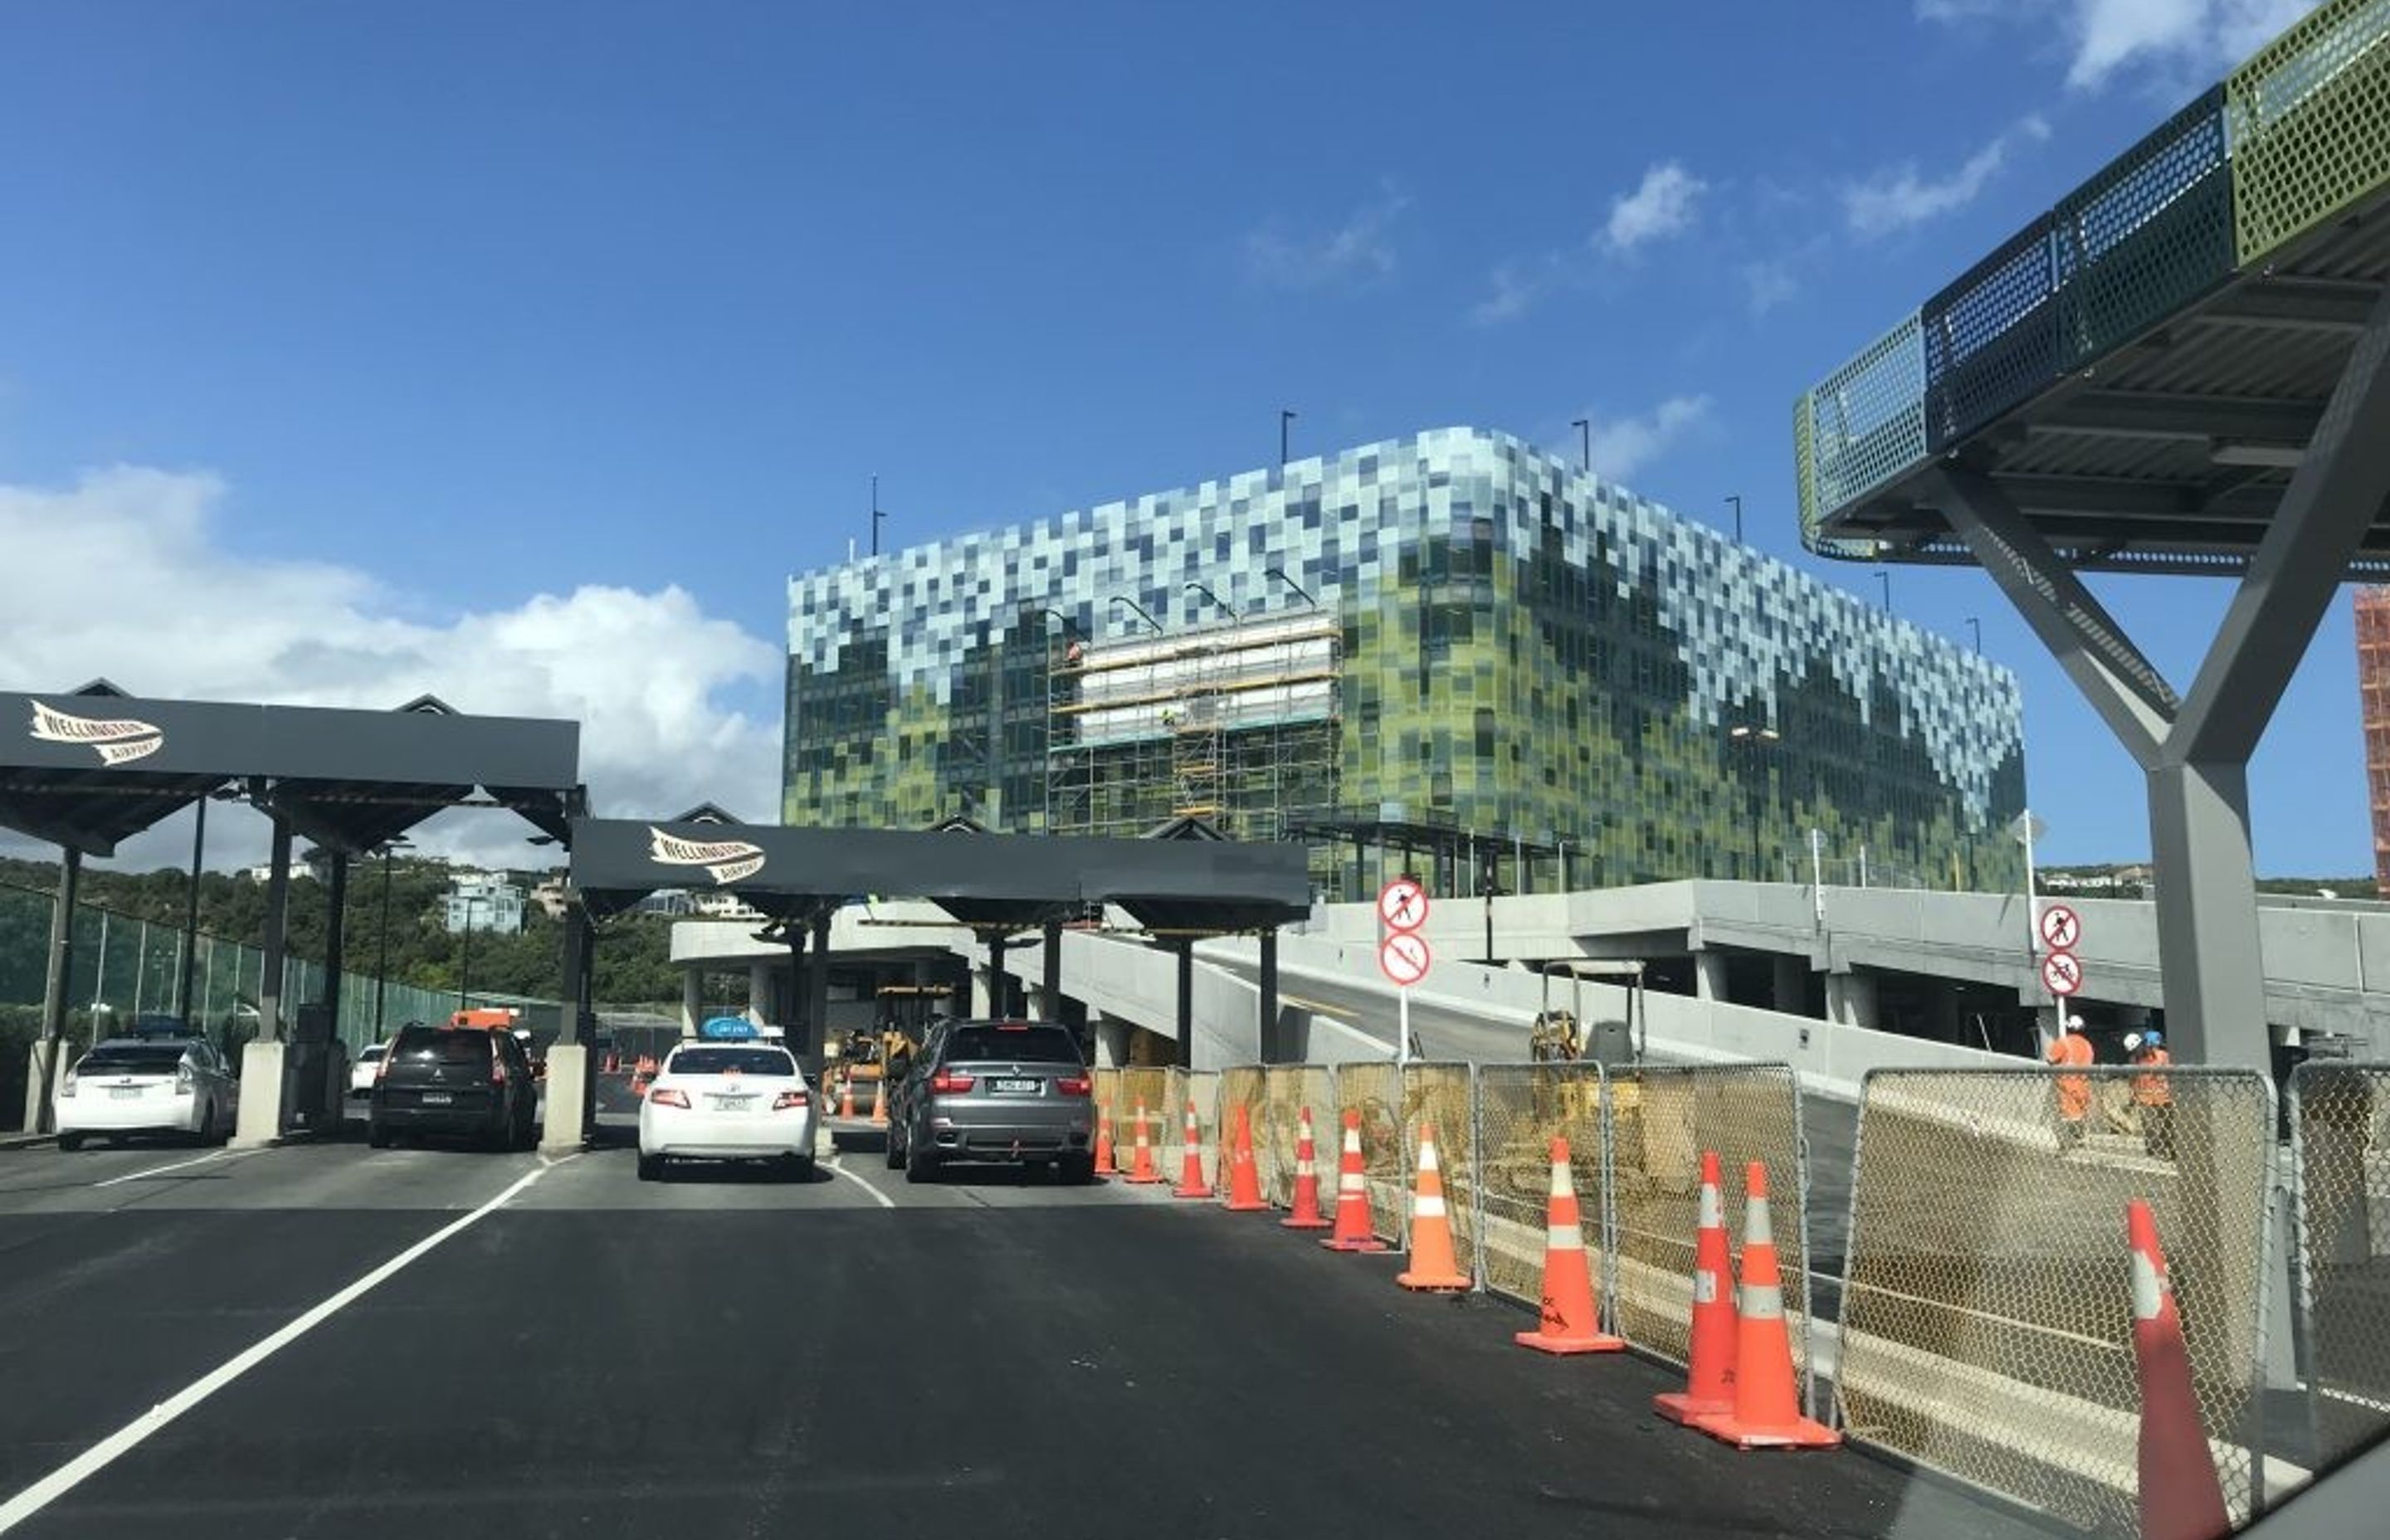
(2373, 689)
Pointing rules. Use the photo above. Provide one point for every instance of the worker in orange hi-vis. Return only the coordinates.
(2153, 1098)
(2070, 1049)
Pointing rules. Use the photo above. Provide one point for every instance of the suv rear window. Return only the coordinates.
(1029, 1045)
(162, 1060)
(434, 1047)
(719, 1061)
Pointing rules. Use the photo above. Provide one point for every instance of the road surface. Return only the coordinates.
(563, 1350)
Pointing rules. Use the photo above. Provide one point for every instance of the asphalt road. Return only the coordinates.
(576, 1353)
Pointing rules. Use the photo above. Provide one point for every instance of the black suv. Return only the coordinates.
(455, 1080)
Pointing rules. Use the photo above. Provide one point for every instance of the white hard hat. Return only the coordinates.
(2132, 1041)
(2074, 1024)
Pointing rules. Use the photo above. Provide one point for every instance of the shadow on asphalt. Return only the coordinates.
(742, 1173)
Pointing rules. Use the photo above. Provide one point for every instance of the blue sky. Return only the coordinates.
(520, 351)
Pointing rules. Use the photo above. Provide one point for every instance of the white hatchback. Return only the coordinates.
(728, 1101)
(157, 1084)
(365, 1068)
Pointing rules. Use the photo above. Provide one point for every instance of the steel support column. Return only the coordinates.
(575, 974)
(818, 977)
(182, 1003)
(277, 913)
(1185, 946)
(336, 936)
(1274, 1051)
(1052, 983)
(805, 1035)
(1000, 989)
(53, 1043)
(2206, 901)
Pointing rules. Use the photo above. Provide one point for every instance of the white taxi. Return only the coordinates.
(715, 1100)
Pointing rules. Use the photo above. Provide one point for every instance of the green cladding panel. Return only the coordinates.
(2151, 232)
(2310, 124)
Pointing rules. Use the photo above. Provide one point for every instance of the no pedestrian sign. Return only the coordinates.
(2060, 974)
(2061, 929)
(1402, 905)
(1403, 957)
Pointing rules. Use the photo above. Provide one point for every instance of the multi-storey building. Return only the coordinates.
(1449, 651)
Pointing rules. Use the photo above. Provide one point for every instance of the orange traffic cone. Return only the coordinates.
(1709, 1387)
(1433, 1266)
(1244, 1177)
(1354, 1232)
(1191, 1161)
(1766, 1405)
(846, 1097)
(1104, 1163)
(2180, 1498)
(879, 1101)
(1571, 1321)
(1306, 1215)
(1141, 1169)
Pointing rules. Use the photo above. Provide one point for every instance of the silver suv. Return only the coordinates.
(1015, 1092)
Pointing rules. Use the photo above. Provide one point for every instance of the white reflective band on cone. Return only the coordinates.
(1705, 1287)
(1303, 1166)
(1351, 1141)
(1430, 1207)
(1711, 1218)
(1352, 1181)
(1563, 1183)
(1760, 1302)
(1427, 1156)
(2149, 1288)
(1565, 1238)
(1755, 1228)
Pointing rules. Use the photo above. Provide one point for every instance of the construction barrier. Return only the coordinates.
(1521, 1108)
(1245, 1085)
(1660, 1118)
(1373, 1091)
(1987, 1298)
(2340, 1143)
(1202, 1088)
(1151, 1087)
(1292, 1087)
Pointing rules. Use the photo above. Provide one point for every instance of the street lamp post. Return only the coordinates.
(1885, 578)
(1754, 737)
(1142, 611)
(465, 971)
(1736, 499)
(1977, 627)
(382, 958)
(1285, 425)
(1584, 426)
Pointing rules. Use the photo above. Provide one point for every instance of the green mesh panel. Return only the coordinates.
(1868, 418)
(1804, 471)
(2147, 236)
(2310, 124)
(1991, 338)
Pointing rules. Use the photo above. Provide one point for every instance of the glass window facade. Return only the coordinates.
(1526, 652)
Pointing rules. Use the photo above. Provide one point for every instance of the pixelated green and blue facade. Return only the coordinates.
(1528, 651)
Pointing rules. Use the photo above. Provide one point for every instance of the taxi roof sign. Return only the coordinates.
(729, 1028)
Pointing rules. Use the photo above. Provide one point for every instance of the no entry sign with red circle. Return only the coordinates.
(1402, 905)
(2062, 974)
(2060, 928)
(1403, 957)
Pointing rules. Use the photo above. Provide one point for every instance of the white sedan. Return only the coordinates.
(365, 1068)
(150, 1085)
(728, 1101)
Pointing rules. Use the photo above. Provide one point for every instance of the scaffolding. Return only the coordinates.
(2374, 694)
(1236, 724)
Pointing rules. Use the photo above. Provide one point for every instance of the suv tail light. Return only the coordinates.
(1073, 1085)
(787, 1100)
(669, 1097)
(497, 1069)
(945, 1082)
(381, 1067)
(67, 1084)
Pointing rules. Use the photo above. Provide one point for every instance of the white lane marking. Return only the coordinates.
(66, 1478)
(161, 1171)
(877, 1195)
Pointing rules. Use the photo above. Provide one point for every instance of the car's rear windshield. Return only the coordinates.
(1030, 1044)
(442, 1048)
(145, 1060)
(723, 1061)
(372, 1050)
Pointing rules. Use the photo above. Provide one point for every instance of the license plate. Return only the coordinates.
(1013, 1084)
(733, 1104)
(438, 1098)
(122, 1092)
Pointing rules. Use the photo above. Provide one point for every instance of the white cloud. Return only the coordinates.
(1769, 283)
(1356, 254)
(1662, 205)
(1899, 197)
(2106, 38)
(1624, 445)
(1515, 287)
(126, 574)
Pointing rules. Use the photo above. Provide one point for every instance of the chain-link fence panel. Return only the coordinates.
(1293, 1087)
(1987, 1298)
(1201, 1088)
(1144, 1091)
(1520, 1109)
(1662, 1119)
(1246, 1085)
(1443, 1096)
(1373, 1091)
(2340, 1138)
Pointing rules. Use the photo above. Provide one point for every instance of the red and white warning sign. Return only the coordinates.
(1405, 957)
(1402, 905)
(2062, 974)
(2060, 928)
